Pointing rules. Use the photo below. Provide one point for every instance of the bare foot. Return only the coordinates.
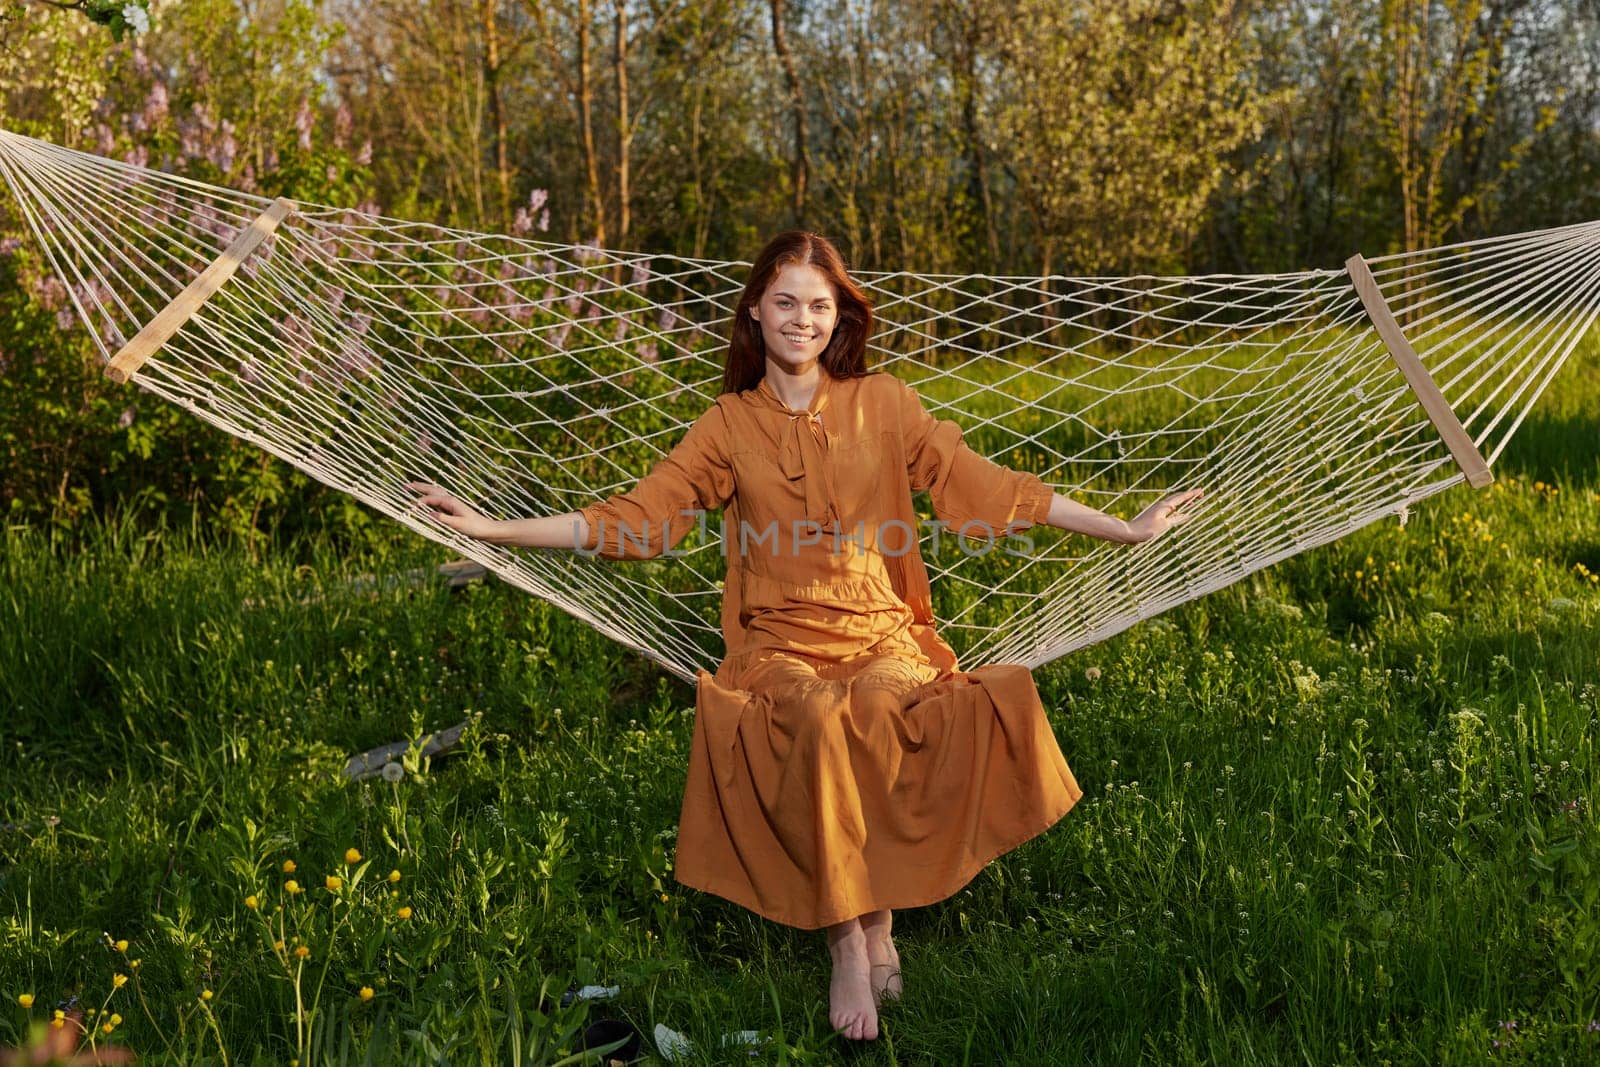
(851, 1010)
(884, 961)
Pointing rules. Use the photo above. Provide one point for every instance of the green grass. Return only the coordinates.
(1343, 812)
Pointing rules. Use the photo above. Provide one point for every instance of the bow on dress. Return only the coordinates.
(803, 456)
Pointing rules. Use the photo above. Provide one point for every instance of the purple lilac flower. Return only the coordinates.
(537, 199)
(341, 125)
(364, 157)
(303, 122)
(50, 292)
(189, 143)
(126, 418)
(155, 104)
(225, 149)
(203, 219)
(294, 331)
(356, 358)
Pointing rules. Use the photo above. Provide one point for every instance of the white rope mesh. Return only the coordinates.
(532, 378)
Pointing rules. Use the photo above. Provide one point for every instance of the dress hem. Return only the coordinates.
(966, 875)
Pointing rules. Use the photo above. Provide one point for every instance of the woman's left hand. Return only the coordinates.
(1154, 520)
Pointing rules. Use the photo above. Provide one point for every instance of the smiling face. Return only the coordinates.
(797, 314)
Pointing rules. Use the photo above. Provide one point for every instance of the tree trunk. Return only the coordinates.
(597, 205)
(624, 123)
(497, 114)
(977, 160)
(797, 104)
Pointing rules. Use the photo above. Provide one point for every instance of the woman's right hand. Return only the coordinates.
(446, 509)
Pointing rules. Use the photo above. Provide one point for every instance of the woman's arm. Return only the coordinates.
(567, 530)
(1068, 514)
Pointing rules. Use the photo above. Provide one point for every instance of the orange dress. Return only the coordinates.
(841, 762)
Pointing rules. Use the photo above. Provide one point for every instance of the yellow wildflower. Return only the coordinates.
(302, 952)
(119, 980)
(278, 946)
(116, 1020)
(404, 913)
(133, 965)
(120, 946)
(58, 1023)
(251, 902)
(291, 887)
(206, 994)
(26, 1000)
(59, 1014)
(366, 993)
(333, 882)
(394, 876)
(288, 866)
(352, 856)
(106, 1028)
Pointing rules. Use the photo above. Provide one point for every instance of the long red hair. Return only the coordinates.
(846, 354)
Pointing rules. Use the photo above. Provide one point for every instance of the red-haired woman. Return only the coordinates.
(842, 766)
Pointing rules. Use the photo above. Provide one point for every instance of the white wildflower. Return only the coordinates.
(137, 18)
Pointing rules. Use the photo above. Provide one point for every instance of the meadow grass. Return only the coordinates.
(1342, 812)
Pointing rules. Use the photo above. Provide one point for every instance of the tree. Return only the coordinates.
(561, 27)
(1433, 102)
(800, 167)
(1117, 119)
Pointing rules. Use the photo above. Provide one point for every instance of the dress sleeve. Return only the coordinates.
(666, 503)
(965, 486)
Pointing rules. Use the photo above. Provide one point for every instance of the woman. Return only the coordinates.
(841, 766)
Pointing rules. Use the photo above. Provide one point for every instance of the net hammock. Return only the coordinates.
(532, 378)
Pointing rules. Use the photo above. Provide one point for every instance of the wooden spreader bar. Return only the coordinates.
(1422, 384)
(170, 319)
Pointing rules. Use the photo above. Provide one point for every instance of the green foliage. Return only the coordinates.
(71, 442)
